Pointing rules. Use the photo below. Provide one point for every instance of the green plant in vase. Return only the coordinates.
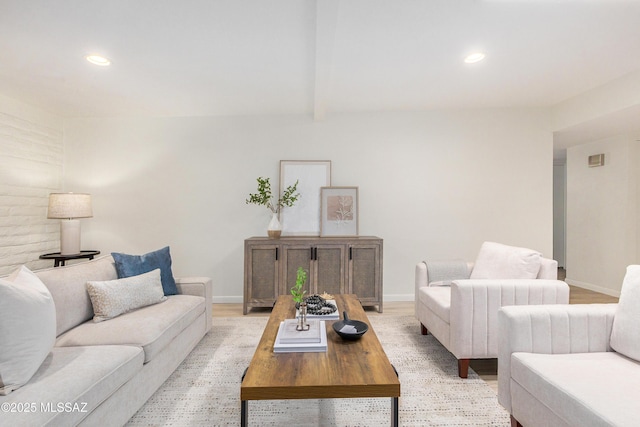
(298, 296)
(264, 197)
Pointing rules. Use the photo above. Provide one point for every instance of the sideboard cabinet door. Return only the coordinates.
(365, 273)
(261, 275)
(329, 271)
(294, 256)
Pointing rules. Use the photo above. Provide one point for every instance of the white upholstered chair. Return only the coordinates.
(572, 365)
(458, 302)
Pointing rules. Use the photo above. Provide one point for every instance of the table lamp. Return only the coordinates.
(69, 207)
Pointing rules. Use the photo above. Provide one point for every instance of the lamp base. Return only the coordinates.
(69, 237)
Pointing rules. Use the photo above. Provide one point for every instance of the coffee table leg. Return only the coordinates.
(395, 419)
(244, 406)
(244, 416)
(394, 412)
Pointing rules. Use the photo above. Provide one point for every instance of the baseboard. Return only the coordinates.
(238, 299)
(398, 297)
(227, 300)
(592, 287)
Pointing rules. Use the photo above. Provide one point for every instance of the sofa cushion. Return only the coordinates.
(133, 265)
(498, 261)
(585, 389)
(115, 297)
(437, 299)
(151, 327)
(68, 286)
(625, 334)
(27, 328)
(79, 378)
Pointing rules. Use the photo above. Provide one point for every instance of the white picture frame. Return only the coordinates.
(303, 219)
(339, 214)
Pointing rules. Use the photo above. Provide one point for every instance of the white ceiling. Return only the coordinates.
(230, 57)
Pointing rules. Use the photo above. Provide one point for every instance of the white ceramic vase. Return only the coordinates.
(274, 229)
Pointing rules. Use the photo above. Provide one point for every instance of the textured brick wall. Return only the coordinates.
(31, 166)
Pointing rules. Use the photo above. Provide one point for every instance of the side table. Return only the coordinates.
(59, 259)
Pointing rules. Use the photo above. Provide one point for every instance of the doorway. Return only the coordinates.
(559, 211)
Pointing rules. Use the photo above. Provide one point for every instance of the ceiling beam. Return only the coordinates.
(326, 21)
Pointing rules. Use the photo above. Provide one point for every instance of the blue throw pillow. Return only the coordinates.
(134, 265)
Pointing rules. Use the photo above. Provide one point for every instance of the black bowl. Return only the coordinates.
(348, 329)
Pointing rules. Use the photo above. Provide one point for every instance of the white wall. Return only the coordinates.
(616, 95)
(432, 184)
(31, 156)
(602, 214)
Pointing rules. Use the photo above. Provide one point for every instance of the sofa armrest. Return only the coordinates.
(475, 304)
(550, 329)
(422, 277)
(548, 269)
(201, 287)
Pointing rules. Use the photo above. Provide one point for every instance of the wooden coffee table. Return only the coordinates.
(349, 369)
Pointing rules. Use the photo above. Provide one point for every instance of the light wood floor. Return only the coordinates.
(486, 368)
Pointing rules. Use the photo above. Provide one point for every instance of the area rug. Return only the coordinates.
(205, 389)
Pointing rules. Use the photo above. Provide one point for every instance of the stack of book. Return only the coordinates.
(290, 340)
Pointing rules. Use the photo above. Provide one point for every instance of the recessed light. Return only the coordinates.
(474, 57)
(98, 60)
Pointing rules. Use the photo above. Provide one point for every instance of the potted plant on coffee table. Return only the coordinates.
(298, 296)
(264, 197)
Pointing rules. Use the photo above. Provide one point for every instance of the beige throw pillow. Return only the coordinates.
(27, 328)
(115, 297)
(625, 334)
(498, 261)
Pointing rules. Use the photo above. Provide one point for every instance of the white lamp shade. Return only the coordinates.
(69, 205)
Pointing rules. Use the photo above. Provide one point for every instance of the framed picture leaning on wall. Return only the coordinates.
(303, 219)
(339, 211)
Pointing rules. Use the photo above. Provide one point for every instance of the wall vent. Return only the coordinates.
(596, 160)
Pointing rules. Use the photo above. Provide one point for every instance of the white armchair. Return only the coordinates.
(572, 365)
(556, 367)
(460, 307)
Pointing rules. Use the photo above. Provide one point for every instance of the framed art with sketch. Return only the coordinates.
(339, 211)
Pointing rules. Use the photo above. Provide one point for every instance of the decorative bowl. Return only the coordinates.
(348, 329)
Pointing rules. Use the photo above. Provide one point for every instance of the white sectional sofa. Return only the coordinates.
(100, 374)
(572, 365)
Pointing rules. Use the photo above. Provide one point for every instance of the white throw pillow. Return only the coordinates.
(115, 297)
(27, 328)
(498, 261)
(625, 334)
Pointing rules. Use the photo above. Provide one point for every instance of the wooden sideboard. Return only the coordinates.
(336, 265)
